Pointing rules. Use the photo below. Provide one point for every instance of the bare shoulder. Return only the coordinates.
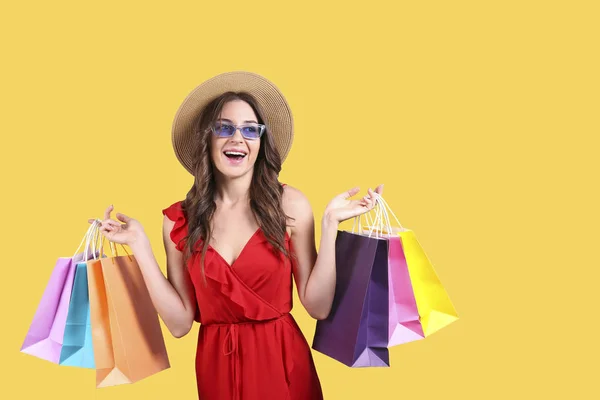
(296, 205)
(294, 199)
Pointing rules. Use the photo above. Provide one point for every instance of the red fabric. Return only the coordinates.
(249, 345)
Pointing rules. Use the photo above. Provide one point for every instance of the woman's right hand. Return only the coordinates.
(127, 232)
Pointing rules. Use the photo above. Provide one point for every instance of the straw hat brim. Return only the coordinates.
(277, 113)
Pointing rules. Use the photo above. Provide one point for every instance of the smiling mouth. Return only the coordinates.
(234, 155)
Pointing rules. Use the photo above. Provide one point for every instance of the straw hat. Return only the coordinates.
(277, 114)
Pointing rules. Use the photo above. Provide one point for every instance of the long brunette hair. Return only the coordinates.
(265, 190)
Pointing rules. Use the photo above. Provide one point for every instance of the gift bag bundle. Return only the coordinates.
(387, 293)
(45, 338)
(96, 313)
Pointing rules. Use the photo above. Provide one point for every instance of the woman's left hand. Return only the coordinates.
(342, 207)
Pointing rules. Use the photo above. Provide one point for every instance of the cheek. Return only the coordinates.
(214, 150)
(254, 148)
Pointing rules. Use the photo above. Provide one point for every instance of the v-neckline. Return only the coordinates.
(230, 265)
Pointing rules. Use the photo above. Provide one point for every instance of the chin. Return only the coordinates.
(228, 174)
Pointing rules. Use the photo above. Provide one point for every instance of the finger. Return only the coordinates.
(365, 202)
(111, 222)
(373, 194)
(108, 211)
(349, 193)
(123, 218)
(379, 189)
(369, 198)
(108, 221)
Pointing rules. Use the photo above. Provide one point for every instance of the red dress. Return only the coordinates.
(249, 345)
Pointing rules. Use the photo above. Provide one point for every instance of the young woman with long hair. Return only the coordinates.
(237, 240)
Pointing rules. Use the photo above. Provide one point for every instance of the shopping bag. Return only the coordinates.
(44, 338)
(405, 324)
(432, 300)
(77, 349)
(404, 320)
(126, 333)
(356, 330)
(434, 304)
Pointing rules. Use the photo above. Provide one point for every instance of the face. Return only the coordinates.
(235, 156)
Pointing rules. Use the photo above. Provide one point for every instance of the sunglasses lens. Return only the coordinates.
(224, 130)
(251, 131)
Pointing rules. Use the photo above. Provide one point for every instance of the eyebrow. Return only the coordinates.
(245, 122)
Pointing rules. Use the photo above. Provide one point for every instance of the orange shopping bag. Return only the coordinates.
(126, 333)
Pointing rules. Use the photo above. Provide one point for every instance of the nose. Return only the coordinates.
(237, 136)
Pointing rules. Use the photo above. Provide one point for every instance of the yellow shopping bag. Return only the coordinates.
(436, 311)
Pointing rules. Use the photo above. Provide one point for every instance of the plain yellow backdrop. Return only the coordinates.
(481, 118)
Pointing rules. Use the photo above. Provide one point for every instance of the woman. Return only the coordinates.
(251, 235)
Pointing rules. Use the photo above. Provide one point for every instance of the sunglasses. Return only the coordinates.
(248, 131)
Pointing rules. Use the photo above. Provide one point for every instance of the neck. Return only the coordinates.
(231, 191)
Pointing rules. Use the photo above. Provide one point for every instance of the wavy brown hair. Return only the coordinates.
(265, 190)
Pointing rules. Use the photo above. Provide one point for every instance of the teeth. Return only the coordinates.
(234, 153)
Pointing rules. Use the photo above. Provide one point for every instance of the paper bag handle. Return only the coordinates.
(113, 249)
(87, 239)
(372, 223)
(382, 219)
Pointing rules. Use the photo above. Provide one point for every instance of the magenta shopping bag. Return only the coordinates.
(405, 324)
(44, 338)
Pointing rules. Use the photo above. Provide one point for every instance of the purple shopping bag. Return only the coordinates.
(405, 324)
(45, 336)
(356, 330)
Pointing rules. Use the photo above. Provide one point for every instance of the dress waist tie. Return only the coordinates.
(231, 348)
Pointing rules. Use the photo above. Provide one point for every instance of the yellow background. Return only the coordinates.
(481, 117)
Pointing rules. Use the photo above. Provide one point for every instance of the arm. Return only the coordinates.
(314, 273)
(173, 297)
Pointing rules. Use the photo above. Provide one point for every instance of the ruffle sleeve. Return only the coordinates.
(175, 213)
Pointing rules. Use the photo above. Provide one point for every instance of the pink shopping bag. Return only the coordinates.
(404, 325)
